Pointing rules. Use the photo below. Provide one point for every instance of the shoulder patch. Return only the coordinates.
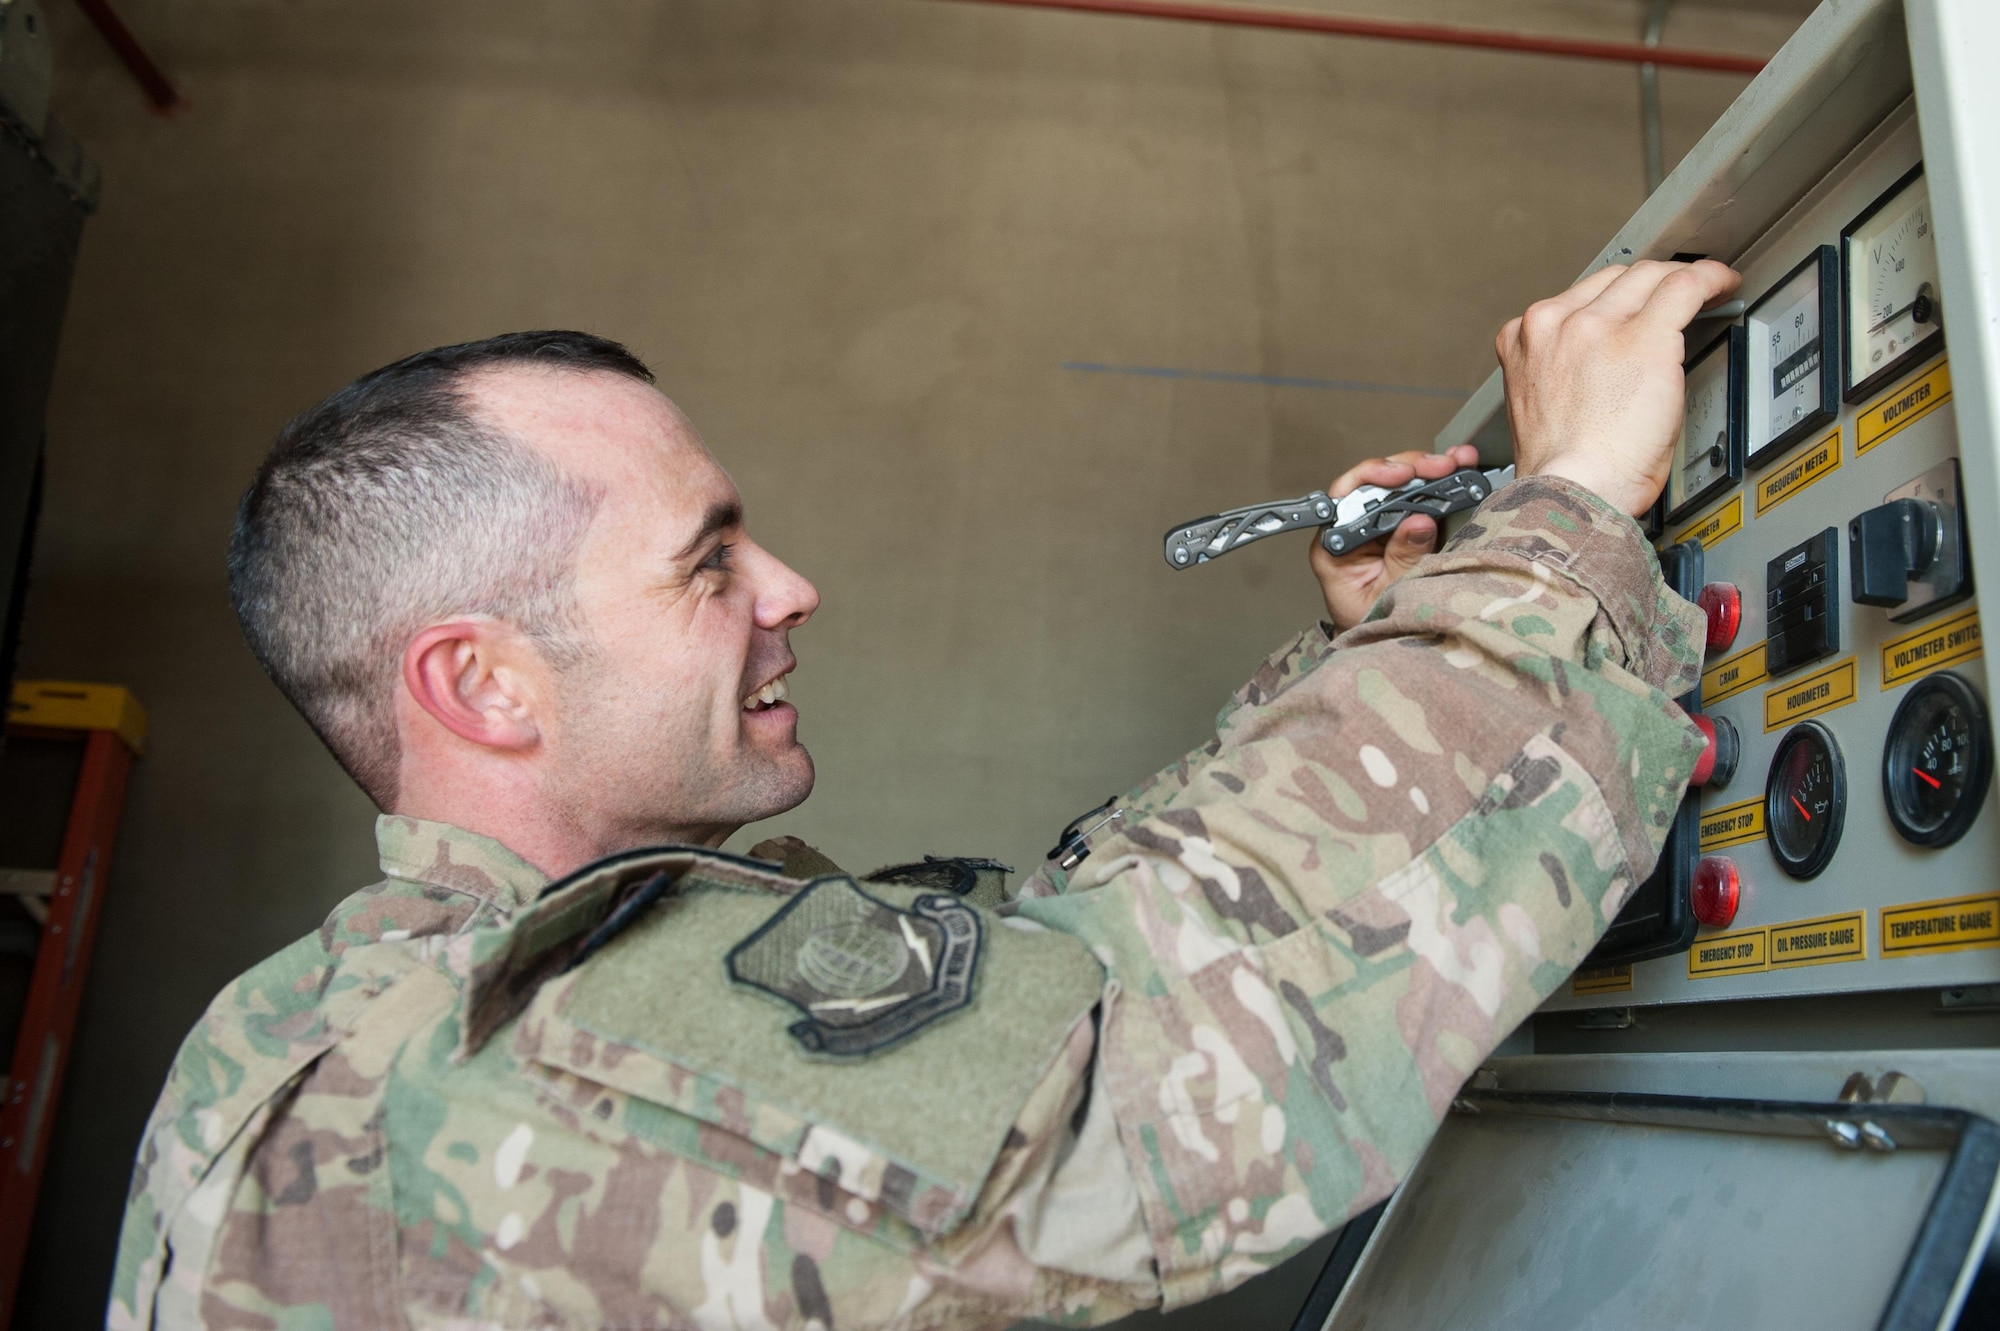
(864, 973)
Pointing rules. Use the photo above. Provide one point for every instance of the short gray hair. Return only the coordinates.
(390, 507)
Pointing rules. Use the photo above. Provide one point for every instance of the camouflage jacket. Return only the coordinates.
(681, 1089)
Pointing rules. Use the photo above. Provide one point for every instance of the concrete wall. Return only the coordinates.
(864, 242)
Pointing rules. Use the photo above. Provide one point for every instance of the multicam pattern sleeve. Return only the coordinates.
(453, 1108)
(1389, 856)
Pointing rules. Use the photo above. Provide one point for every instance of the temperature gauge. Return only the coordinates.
(1711, 451)
(1893, 308)
(1805, 799)
(1793, 387)
(1937, 762)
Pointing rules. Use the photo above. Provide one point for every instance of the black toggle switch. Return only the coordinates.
(1891, 545)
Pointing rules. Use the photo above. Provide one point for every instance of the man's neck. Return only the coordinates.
(558, 842)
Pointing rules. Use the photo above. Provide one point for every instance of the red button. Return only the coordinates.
(1718, 760)
(1723, 604)
(1717, 891)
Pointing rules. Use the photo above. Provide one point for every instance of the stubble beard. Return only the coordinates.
(642, 780)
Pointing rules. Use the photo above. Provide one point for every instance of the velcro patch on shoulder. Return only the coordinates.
(863, 973)
(712, 1071)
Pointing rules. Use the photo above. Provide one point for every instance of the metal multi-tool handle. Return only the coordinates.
(1346, 524)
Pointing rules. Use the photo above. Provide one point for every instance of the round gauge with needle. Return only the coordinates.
(1792, 389)
(1805, 799)
(1894, 308)
(1711, 452)
(1937, 762)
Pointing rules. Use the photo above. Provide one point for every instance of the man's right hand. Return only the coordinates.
(1595, 391)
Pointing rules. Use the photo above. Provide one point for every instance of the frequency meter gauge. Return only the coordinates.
(1792, 386)
(1711, 452)
(1893, 315)
(1805, 799)
(1937, 762)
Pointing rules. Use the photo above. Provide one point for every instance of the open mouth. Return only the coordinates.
(769, 696)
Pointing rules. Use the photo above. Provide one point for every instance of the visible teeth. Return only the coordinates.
(774, 692)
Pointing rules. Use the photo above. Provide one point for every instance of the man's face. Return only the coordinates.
(673, 727)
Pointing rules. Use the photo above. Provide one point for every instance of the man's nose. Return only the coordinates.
(785, 600)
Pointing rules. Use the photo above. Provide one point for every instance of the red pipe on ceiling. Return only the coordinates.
(1435, 34)
(152, 80)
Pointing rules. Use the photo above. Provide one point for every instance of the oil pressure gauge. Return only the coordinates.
(1937, 762)
(1711, 451)
(1892, 308)
(1805, 799)
(1793, 382)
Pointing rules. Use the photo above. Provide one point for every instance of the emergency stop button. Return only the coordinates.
(1717, 891)
(1718, 759)
(1723, 604)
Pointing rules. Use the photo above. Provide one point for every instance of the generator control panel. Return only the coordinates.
(1822, 934)
(1843, 833)
(1856, 843)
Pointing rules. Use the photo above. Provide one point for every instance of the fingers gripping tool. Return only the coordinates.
(1345, 524)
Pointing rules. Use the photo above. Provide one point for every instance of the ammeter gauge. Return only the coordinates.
(1805, 799)
(1711, 451)
(1791, 373)
(1892, 308)
(1937, 761)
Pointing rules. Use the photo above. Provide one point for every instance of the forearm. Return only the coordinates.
(1383, 867)
(1298, 658)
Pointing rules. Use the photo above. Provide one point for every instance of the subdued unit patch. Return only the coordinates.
(863, 973)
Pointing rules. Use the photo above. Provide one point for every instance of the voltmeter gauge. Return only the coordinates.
(1892, 307)
(1793, 382)
(1937, 762)
(1711, 452)
(1805, 799)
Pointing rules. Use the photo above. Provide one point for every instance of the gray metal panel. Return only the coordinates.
(1962, 1078)
(40, 224)
(1955, 49)
(1873, 867)
(27, 65)
(1731, 1215)
(1844, 69)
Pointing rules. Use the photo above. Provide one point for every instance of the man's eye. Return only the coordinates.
(720, 557)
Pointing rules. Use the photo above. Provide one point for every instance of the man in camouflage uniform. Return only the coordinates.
(545, 1076)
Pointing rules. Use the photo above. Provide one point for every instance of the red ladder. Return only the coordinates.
(111, 727)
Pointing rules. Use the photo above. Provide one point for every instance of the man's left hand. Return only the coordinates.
(1354, 581)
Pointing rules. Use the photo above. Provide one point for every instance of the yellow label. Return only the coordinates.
(1909, 401)
(1782, 482)
(1601, 980)
(1733, 824)
(1809, 695)
(1932, 647)
(1733, 674)
(1728, 954)
(1941, 926)
(1817, 942)
(1717, 527)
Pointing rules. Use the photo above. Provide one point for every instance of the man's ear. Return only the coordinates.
(474, 677)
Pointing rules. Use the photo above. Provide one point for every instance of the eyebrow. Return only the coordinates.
(721, 516)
